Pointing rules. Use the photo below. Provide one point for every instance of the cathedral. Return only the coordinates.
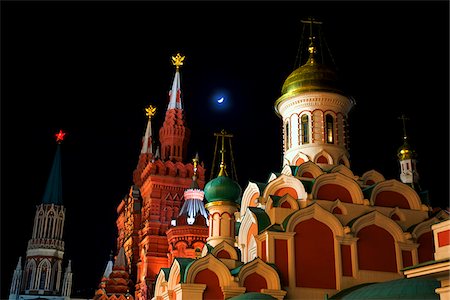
(312, 230)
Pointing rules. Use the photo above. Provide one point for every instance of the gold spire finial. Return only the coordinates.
(403, 118)
(195, 161)
(311, 48)
(177, 60)
(150, 111)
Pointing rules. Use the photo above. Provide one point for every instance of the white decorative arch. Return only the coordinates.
(315, 211)
(338, 204)
(396, 186)
(310, 167)
(302, 156)
(31, 267)
(345, 159)
(215, 265)
(337, 178)
(287, 170)
(344, 170)
(285, 181)
(246, 222)
(286, 198)
(423, 227)
(250, 191)
(174, 274)
(372, 175)
(380, 220)
(252, 249)
(272, 177)
(326, 155)
(259, 267)
(224, 246)
(45, 263)
(160, 284)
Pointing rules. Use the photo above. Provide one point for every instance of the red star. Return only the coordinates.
(60, 136)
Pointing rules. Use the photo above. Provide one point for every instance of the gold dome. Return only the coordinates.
(405, 152)
(312, 76)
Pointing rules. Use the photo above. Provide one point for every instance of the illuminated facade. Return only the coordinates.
(161, 180)
(42, 274)
(315, 229)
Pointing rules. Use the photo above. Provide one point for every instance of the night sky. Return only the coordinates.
(90, 68)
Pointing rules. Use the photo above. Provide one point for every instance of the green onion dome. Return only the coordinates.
(222, 188)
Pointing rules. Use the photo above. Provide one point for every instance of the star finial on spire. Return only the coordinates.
(150, 111)
(60, 136)
(177, 60)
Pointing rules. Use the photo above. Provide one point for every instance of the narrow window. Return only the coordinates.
(43, 278)
(287, 135)
(329, 129)
(305, 129)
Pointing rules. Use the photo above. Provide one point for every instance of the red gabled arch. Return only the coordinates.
(314, 255)
(333, 192)
(376, 249)
(391, 199)
(213, 289)
(255, 283)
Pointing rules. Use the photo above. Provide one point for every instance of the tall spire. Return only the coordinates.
(174, 135)
(53, 190)
(147, 140)
(175, 92)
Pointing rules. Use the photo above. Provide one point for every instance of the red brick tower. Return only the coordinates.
(157, 194)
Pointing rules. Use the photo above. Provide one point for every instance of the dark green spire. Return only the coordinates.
(53, 190)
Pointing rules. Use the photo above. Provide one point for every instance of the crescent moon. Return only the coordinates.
(220, 100)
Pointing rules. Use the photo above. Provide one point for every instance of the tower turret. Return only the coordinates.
(42, 274)
(174, 135)
(407, 159)
(313, 110)
(223, 195)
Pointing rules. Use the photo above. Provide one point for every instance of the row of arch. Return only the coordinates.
(322, 157)
(332, 187)
(315, 250)
(216, 278)
(302, 126)
(42, 276)
(49, 222)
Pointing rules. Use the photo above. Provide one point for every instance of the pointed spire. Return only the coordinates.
(53, 190)
(175, 92)
(109, 266)
(147, 139)
(120, 259)
(19, 264)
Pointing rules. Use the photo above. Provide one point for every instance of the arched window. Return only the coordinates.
(329, 129)
(43, 278)
(305, 129)
(287, 135)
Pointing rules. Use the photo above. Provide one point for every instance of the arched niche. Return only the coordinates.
(392, 193)
(249, 197)
(334, 186)
(299, 159)
(284, 181)
(227, 248)
(344, 170)
(212, 263)
(322, 156)
(371, 177)
(311, 168)
(258, 266)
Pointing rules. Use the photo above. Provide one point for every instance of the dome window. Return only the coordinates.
(305, 129)
(329, 129)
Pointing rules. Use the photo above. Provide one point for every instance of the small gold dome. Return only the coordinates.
(405, 152)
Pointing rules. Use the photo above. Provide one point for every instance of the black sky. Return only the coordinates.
(90, 68)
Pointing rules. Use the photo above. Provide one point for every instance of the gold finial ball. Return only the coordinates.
(177, 60)
(150, 111)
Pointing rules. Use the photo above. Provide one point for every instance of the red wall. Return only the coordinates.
(426, 247)
(332, 192)
(346, 254)
(314, 255)
(443, 238)
(407, 258)
(223, 254)
(213, 289)
(263, 251)
(376, 250)
(254, 283)
(391, 199)
(281, 260)
(307, 174)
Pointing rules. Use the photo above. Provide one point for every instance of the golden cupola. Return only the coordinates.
(313, 110)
